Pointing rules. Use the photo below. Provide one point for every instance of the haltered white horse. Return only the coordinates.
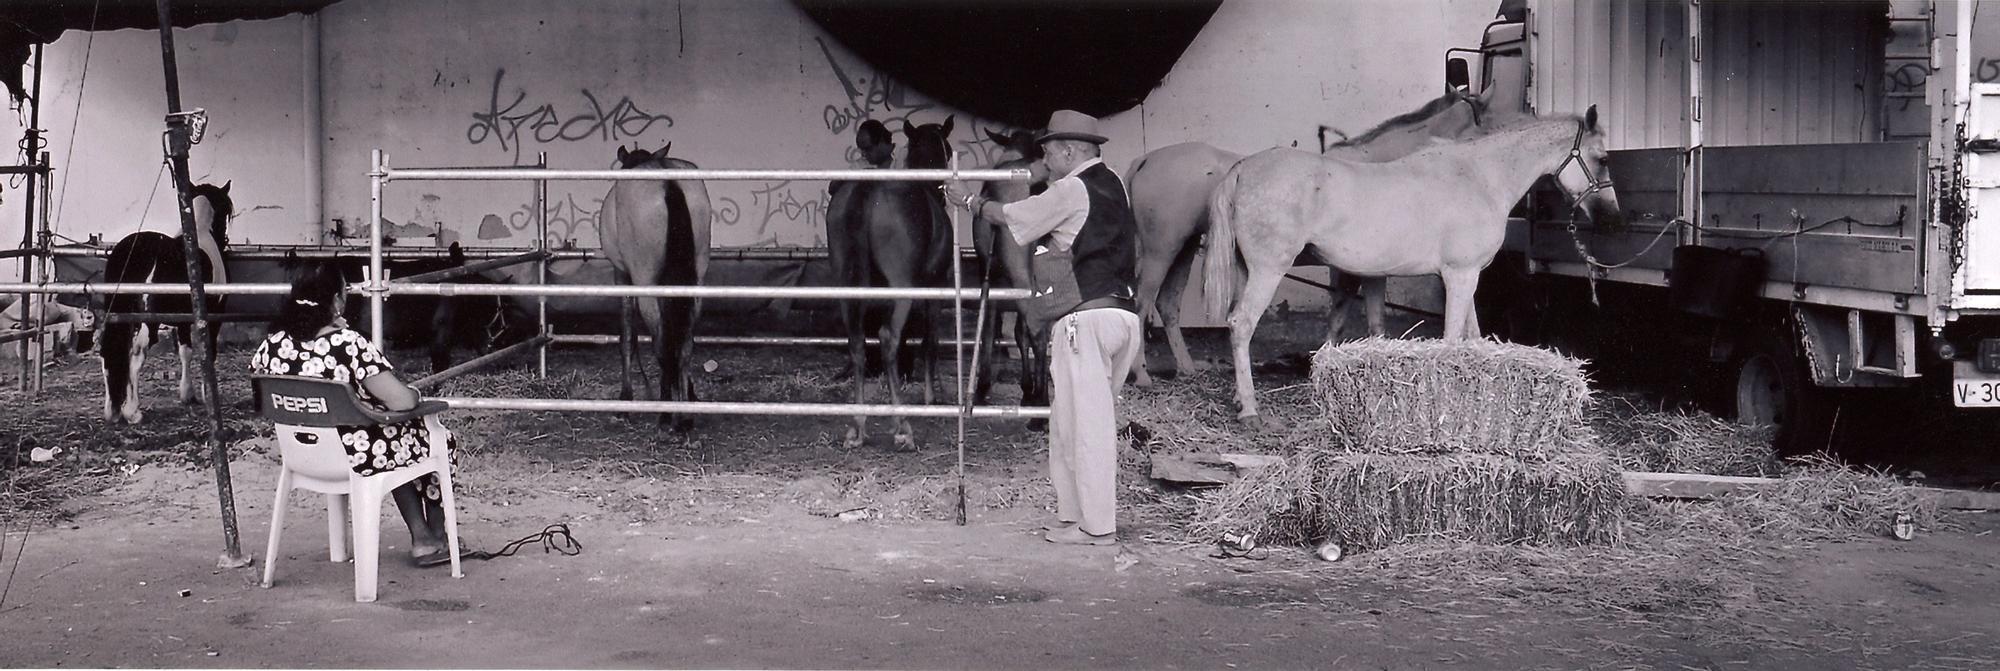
(1441, 211)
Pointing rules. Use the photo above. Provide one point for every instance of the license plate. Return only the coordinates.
(1973, 388)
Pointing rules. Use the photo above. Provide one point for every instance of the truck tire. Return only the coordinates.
(1774, 387)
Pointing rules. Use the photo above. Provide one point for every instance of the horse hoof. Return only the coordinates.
(1038, 425)
(906, 442)
(854, 439)
(1261, 424)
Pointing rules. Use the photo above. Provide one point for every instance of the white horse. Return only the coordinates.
(1440, 211)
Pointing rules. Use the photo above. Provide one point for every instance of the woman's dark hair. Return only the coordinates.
(313, 301)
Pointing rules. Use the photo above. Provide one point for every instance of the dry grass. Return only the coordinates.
(1684, 442)
(1389, 396)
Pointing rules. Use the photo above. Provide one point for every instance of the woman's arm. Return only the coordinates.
(391, 391)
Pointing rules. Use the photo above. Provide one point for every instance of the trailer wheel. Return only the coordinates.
(1774, 388)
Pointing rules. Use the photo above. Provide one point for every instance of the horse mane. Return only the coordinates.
(1415, 117)
(218, 200)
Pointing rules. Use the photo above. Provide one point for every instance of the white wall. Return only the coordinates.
(730, 84)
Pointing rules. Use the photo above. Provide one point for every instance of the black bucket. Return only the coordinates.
(1712, 282)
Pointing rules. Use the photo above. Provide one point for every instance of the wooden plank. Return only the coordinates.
(1209, 469)
(1874, 168)
(1963, 499)
(1689, 485)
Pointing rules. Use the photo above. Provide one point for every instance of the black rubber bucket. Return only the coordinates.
(1713, 282)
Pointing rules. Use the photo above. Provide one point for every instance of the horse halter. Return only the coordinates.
(1592, 183)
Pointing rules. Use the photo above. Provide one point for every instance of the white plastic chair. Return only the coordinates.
(306, 412)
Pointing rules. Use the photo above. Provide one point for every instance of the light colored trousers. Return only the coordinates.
(1089, 355)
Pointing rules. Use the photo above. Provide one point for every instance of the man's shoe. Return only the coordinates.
(1058, 525)
(1077, 536)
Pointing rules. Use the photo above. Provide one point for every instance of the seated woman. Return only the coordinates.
(311, 339)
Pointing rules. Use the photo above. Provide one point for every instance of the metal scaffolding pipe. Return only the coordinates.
(873, 175)
(24, 251)
(789, 341)
(742, 408)
(471, 268)
(321, 253)
(480, 362)
(571, 290)
(11, 336)
(183, 318)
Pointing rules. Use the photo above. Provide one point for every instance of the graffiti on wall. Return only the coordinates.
(567, 218)
(509, 126)
(871, 94)
(776, 203)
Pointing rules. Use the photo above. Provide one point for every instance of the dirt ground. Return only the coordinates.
(724, 548)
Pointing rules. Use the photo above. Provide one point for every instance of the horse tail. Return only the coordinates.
(676, 314)
(1220, 271)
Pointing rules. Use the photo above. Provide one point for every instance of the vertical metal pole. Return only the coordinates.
(177, 154)
(958, 336)
(44, 262)
(542, 266)
(1690, 204)
(376, 282)
(32, 144)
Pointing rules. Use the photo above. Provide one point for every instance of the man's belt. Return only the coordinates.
(1125, 304)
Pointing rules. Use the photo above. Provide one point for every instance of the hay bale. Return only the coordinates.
(1370, 501)
(1471, 396)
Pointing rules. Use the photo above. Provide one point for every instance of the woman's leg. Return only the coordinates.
(426, 537)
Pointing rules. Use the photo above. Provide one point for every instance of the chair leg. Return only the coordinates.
(366, 502)
(450, 514)
(336, 527)
(277, 523)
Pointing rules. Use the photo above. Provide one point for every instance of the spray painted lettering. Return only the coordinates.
(776, 202)
(566, 217)
(622, 120)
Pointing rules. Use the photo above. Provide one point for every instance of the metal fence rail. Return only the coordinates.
(743, 408)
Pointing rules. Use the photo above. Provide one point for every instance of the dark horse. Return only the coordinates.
(1008, 261)
(439, 324)
(893, 234)
(656, 234)
(149, 257)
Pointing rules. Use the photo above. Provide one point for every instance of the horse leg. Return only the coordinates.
(1168, 307)
(1034, 371)
(184, 342)
(122, 349)
(892, 343)
(1459, 285)
(1336, 299)
(852, 315)
(1152, 273)
(928, 313)
(1257, 293)
(1374, 295)
(673, 320)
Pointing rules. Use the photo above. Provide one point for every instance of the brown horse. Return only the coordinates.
(892, 234)
(1004, 258)
(656, 234)
(1442, 211)
(1170, 190)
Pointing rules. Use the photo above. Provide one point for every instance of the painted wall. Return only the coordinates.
(730, 84)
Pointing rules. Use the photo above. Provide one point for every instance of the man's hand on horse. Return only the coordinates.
(961, 195)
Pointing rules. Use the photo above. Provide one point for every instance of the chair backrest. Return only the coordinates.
(306, 401)
(306, 410)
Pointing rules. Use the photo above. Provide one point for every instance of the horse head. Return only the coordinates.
(877, 144)
(220, 208)
(636, 158)
(1018, 145)
(930, 144)
(1584, 175)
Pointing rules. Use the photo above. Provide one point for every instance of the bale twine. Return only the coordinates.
(1371, 501)
(1387, 396)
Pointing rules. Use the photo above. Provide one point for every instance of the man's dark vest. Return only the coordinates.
(1106, 251)
(1100, 269)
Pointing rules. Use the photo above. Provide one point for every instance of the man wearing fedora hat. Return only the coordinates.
(1094, 336)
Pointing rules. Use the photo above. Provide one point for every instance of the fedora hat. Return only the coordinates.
(1071, 125)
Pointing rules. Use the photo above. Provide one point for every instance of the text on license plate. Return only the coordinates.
(1975, 393)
